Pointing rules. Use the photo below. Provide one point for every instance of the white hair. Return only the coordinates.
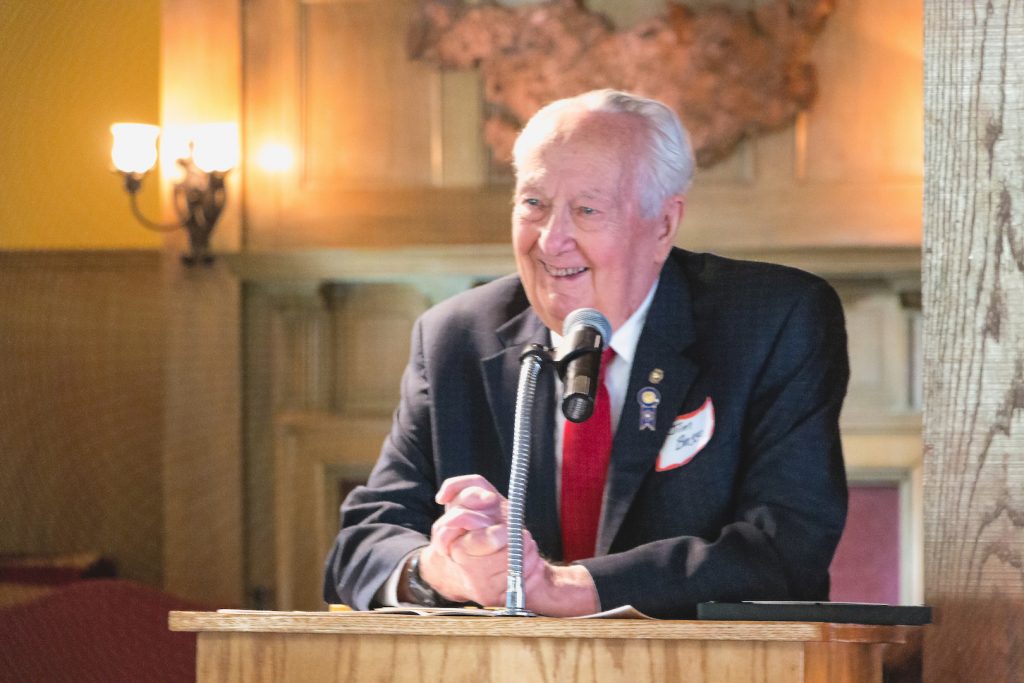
(665, 169)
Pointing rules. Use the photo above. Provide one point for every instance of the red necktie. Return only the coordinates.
(586, 449)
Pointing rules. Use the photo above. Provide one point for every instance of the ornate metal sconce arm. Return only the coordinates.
(132, 185)
(199, 200)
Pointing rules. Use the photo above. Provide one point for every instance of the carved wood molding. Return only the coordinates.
(312, 451)
(896, 264)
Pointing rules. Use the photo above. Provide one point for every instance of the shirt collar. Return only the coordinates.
(624, 339)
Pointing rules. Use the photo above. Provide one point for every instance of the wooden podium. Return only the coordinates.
(362, 646)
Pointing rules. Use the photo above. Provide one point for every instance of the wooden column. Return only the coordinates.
(974, 339)
(202, 455)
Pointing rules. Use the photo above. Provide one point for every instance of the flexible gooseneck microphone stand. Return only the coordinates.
(534, 358)
(531, 362)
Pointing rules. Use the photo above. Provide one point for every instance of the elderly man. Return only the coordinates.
(712, 467)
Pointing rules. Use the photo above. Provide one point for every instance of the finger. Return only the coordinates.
(453, 485)
(478, 498)
(463, 518)
(453, 524)
(443, 538)
(487, 570)
(480, 542)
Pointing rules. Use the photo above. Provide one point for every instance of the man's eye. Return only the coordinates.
(531, 206)
(587, 211)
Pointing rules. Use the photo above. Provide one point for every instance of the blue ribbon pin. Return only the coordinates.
(648, 398)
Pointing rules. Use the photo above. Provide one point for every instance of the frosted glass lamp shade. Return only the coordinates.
(215, 147)
(134, 149)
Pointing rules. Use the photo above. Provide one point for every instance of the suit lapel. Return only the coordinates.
(501, 379)
(668, 332)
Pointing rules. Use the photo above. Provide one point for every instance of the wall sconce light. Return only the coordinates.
(208, 153)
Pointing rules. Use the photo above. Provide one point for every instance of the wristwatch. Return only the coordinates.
(422, 592)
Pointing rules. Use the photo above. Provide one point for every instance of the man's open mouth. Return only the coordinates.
(564, 272)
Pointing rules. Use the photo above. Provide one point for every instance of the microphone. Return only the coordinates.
(585, 333)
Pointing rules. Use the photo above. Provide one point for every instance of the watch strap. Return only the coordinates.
(423, 592)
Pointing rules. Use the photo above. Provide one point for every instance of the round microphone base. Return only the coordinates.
(515, 612)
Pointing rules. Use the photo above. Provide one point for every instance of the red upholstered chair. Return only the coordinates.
(96, 630)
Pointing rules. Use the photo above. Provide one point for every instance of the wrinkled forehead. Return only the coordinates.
(579, 126)
(595, 139)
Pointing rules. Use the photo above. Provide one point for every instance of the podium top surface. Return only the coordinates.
(368, 623)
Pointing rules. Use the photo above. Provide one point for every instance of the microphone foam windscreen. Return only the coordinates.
(588, 317)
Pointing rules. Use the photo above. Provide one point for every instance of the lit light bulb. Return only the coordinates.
(134, 149)
(275, 157)
(215, 146)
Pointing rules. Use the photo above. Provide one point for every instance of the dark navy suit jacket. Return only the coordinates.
(756, 514)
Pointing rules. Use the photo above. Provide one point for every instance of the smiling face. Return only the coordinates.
(579, 233)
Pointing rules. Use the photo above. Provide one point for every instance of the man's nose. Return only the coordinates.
(556, 237)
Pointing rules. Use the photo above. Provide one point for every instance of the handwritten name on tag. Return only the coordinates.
(687, 437)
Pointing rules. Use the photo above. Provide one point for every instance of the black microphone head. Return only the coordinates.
(588, 317)
(585, 330)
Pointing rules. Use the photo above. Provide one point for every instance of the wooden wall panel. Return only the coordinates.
(81, 389)
(974, 340)
(313, 452)
(323, 365)
(373, 325)
(879, 348)
(391, 152)
(866, 126)
(289, 356)
(368, 107)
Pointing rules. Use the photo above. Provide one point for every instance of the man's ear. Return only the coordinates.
(671, 215)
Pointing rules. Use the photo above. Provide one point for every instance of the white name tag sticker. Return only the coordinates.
(687, 437)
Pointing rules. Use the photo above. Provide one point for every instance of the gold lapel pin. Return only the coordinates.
(656, 376)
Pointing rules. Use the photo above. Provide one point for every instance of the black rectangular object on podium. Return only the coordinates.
(833, 612)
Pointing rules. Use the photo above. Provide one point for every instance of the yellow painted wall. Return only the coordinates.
(68, 69)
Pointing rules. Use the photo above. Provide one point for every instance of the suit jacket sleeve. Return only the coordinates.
(391, 516)
(790, 491)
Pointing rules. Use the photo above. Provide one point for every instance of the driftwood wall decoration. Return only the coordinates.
(727, 73)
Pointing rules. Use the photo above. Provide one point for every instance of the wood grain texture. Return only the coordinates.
(539, 627)
(842, 663)
(974, 339)
(298, 646)
(274, 657)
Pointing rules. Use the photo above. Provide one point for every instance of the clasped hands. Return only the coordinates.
(467, 559)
